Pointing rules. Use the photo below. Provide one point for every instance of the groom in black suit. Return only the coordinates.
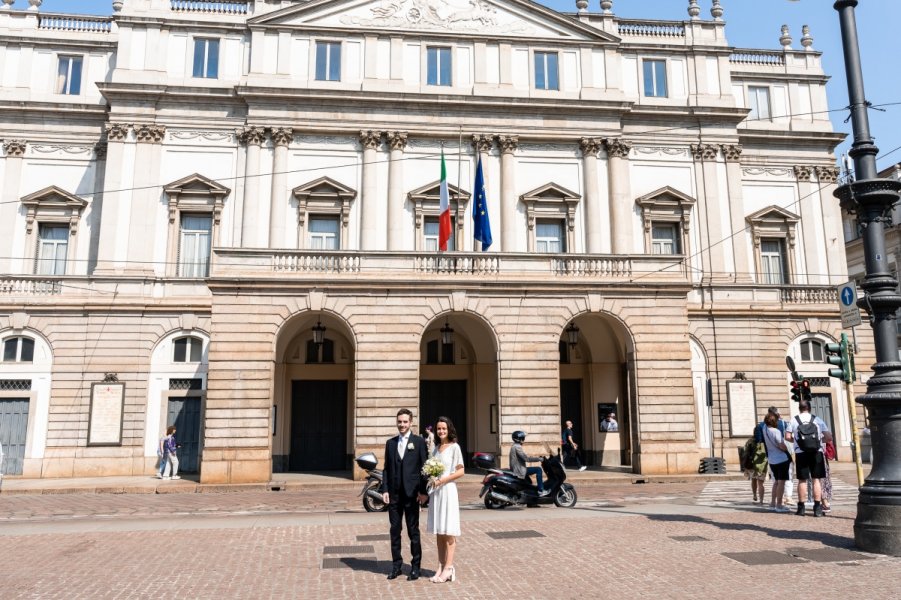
(402, 489)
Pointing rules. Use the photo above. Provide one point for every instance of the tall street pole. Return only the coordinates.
(877, 527)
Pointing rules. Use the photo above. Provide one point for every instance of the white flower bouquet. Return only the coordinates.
(433, 468)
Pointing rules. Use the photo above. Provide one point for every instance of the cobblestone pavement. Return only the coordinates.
(635, 541)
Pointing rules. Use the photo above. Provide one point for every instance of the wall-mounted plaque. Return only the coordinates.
(742, 407)
(106, 415)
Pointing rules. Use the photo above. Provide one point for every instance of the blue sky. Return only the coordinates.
(754, 24)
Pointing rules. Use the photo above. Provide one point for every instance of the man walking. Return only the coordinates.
(809, 433)
(402, 490)
(570, 447)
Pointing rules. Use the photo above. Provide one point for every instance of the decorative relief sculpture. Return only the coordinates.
(827, 174)
(704, 151)
(731, 152)
(117, 132)
(803, 173)
(282, 136)
(590, 146)
(370, 140)
(57, 148)
(334, 140)
(508, 144)
(478, 16)
(397, 140)
(193, 134)
(252, 135)
(569, 149)
(152, 134)
(100, 150)
(481, 142)
(664, 150)
(14, 147)
(773, 172)
(617, 147)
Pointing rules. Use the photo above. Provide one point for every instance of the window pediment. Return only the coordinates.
(666, 204)
(323, 196)
(324, 188)
(53, 204)
(196, 193)
(427, 202)
(551, 201)
(775, 215)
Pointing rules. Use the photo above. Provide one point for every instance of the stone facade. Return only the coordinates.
(192, 190)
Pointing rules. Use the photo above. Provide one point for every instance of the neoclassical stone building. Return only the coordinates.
(224, 215)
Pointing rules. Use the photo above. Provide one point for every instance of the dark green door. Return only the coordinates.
(444, 399)
(13, 433)
(318, 426)
(184, 413)
(821, 406)
(571, 409)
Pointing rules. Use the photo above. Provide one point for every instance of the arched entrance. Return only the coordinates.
(313, 408)
(458, 379)
(596, 377)
(699, 382)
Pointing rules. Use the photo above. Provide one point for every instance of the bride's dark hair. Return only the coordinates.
(451, 430)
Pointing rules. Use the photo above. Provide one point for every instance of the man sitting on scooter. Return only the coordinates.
(519, 458)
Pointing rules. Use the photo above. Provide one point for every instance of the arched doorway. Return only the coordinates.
(699, 382)
(312, 419)
(595, 380)
(458, 379)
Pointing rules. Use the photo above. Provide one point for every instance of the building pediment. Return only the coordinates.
(481, 18)
(53, 197)
(196, 184)
(773, 214)
(432, 191)
(551, 192)
(664, 196)
(324, 187)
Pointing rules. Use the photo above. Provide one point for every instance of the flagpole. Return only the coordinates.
(459, 159)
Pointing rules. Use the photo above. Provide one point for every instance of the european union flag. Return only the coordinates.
(481, 226)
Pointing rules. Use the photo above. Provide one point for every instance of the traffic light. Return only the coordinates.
(796, 391)
(800, 389)
(842, 357)
(805, 389)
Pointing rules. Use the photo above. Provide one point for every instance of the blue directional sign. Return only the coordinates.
(847, 303)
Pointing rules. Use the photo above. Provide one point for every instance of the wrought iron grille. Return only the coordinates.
(186, 384)
(15, 385)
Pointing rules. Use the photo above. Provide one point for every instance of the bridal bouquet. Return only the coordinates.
(434, 469)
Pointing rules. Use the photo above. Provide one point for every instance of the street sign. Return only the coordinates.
(847, 303)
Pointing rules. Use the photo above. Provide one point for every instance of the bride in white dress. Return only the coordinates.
(444, 505)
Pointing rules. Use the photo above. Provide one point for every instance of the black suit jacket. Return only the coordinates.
(405, 474)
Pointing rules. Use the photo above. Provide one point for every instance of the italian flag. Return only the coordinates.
(444, 219)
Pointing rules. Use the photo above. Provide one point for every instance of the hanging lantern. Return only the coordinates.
(572, 335)
(447, 334)
(318, 333)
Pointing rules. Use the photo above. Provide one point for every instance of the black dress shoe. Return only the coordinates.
(413, 576)
(395, 573)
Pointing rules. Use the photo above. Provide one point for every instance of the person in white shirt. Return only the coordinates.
(609, 423)
(809, 455)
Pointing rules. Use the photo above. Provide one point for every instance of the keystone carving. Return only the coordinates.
(481, 142)
(617, 147)
(731, 152)
(252, 136)
(507, 143)
(151, 134)
(117, 132)
(803, 173)
(590, 146)
(827, 174)
(14, 147)
(370, 140)
(397, 140)
(704, 151)
(282, 136)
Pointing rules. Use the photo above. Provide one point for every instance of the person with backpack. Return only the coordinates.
(810, 434)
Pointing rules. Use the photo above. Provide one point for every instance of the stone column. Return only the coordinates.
(145, 200)
(814, 266)
(278, 211)
(397, 142)
(96, 210)
(114, 202)
(14, 151)
(481, 143)
(590, 148)
(710, 215)
(832, 221)
(744, 269)
(621, 201)
(252, 137)
(370, 140)
(508, 145)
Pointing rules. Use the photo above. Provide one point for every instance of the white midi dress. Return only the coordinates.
(444, 505)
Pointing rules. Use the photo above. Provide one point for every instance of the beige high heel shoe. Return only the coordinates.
(434, 578)
(452, 576)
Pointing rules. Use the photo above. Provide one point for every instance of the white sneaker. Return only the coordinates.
(582, 468)
(543, 493)
(165, 477)
(158, 476)
(176, 477)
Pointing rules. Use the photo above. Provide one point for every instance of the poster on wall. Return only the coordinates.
(106, 414)
(742, 407)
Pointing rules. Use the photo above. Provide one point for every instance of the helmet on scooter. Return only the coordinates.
(519, 436)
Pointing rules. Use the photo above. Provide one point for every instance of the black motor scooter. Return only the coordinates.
(502, 488)
(372, 498)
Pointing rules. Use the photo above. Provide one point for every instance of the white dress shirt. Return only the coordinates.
(402, 445)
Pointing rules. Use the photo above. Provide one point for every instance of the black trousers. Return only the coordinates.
(571, 453)
(402, 507)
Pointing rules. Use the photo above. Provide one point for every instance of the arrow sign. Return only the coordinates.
(847, 303)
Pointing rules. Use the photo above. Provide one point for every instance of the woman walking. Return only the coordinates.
(444, 505)
(777, 455)
(171, 449)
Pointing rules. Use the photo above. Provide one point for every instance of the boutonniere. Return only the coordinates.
(410, 446)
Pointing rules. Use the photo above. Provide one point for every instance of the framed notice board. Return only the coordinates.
(742, 407)
(106, 414)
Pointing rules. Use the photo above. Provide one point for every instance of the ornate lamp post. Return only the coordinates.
(877, 527)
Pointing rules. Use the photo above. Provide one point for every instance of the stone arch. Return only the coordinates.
(699, 377)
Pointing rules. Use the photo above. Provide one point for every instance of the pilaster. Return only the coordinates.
(278, 213)
(590, 148)
(14, 153)
(710, 215)
(508, 145)
(813, 259)
(114, 204)
(620, 192)
(370, 141)
(827, 177)
(252, 138)
(744, 268)
(397, 142)
(145, 200)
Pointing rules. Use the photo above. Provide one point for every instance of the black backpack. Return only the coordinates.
(808, 435)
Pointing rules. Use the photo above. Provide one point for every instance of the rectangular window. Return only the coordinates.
(53, 247)
(194, 245)
(654, 78)
(546, 73)
(328, 61)
(206, 58)
(431, 235)
(772, 261)
(68, 75)
(549, 237)
(438, 62)
(664, 239)
(324, 233)
(759, 98)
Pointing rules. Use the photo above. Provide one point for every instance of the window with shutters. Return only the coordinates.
(773, 231)
(195, 207)
(52, 218)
